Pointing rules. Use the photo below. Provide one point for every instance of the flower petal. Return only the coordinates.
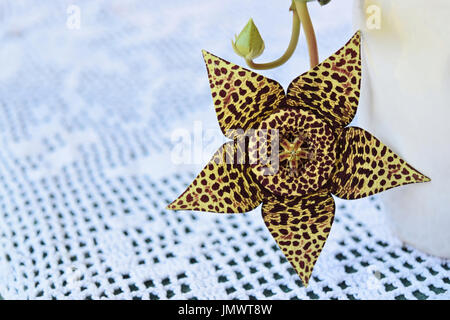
(242, 98)
(331, 89)
(365, 166)
(300, 226)
(223, 186)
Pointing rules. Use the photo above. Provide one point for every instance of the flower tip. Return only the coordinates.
(305, 280)
(205, 53)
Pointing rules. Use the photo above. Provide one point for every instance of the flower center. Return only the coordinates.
(296, 152)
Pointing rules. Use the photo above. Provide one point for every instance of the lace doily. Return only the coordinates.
(86, 117)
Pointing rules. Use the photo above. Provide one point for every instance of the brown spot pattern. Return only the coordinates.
(315, 172)
(365, 166)
(242, 98)
(221, 187)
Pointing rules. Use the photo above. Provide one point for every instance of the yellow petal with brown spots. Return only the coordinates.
(300, 226)
(331, 89)
(365, 166)
(242, 98)
(223, 186)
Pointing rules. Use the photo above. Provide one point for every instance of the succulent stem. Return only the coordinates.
(302, 10)
(289, 51)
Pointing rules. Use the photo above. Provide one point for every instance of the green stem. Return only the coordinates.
(302, 10)
(289, 51)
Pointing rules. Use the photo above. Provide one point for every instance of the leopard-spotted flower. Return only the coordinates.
(318, 154)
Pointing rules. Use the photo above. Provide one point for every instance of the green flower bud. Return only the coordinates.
(249, 44)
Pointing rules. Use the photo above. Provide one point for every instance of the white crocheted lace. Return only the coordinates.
(86, 117)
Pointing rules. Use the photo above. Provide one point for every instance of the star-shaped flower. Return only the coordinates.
(318, 155)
